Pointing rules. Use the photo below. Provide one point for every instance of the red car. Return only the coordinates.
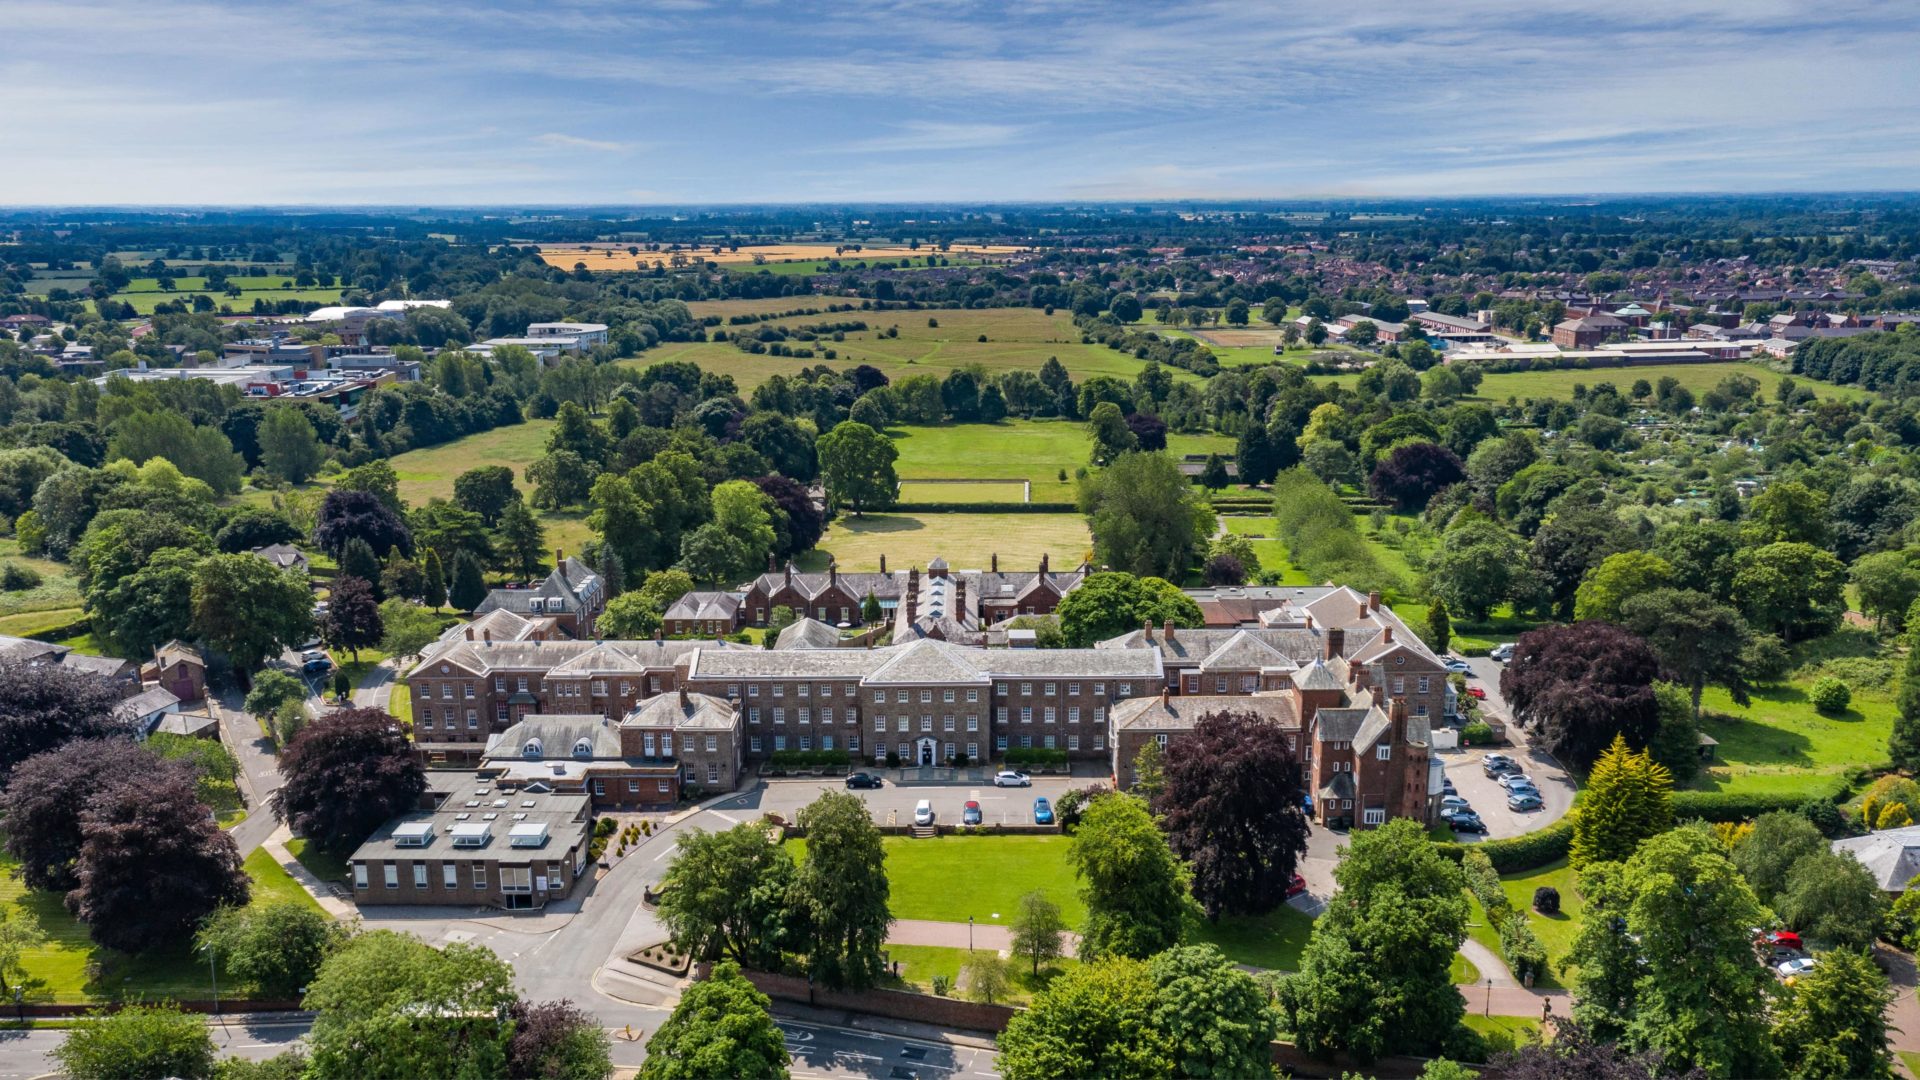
(1297, 886)
(1478, 692)
(1785, 939)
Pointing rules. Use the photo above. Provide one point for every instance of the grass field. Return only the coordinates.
(429, 473)
(1780, 743)
(602, 257)
(1271, 552)
(962, 539)
(69, 967)
(1556, 932)
(963, 491)
(920, 963)
(1017, 338)
(1035, 450)
(1699, 378)
(318, 863)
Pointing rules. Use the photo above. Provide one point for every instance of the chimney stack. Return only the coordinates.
(1043, 562)
(960, 600)
(883, 562)
(1166, 698)
(486, 635)
(469, 632)
(1336, 641)
(996, 562)
(683, 696)
(1364, 611)
(789, 571)
(559, 557)
(770, 566)
(1146, 630)
(1387, 634)
(659, 634)
(833, 573)
(1166, 630)
(1373, 601)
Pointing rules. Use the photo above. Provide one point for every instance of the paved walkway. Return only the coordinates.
(276, 846)
(1492, 968)
(952, 935)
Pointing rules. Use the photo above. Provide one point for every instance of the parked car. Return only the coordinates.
(1517, 782)
(1785, 939)
(1454, 802)
(970, 813)
(1524, 800)
(1478, 693)
(313, 662)
(1500, 759)
(1296, 886)
(1446, 785)
(864, 780)
(1042, 811)
(1496, 769)
(1009, 778)
(1799, 966)
(1502, 653)
(1457, 666)
(1464, 821)
(923, 812)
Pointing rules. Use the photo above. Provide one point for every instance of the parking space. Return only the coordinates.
(894, 803)
(1466, 769)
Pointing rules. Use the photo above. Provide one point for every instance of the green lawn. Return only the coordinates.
(1503, 1032)
(920, 963)
(1911, 1060)
(1556, 932)
(966, 540)
(1780, 743)
(963, 491)
(1035, 450)
(69, 967)
(318, 863)
(1698, 378)
(1274, 940)
(1267, 547)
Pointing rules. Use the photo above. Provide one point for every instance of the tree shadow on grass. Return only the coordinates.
(1750, 742)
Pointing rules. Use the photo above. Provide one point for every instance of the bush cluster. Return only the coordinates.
(1525, 953)
(791, 759)
(1035, 756)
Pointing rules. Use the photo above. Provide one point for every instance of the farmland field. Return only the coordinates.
(857, 543)
(617, 257)
(145, 303)
(1017, 338)
(963, 491)
(1698, 378)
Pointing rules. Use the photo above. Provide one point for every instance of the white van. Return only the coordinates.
(923, 812)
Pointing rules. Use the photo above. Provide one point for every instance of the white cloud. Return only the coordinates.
(575, 142)
(935, 135)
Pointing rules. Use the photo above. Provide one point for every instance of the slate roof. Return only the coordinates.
(807, 633)
(1245, 652)
(580, 658)
(284, 556)
(557, 734)
(700, 712)
(1892, 856)
(570, 581)
(887, 586)
(1318, 676)
(924, 660)
(1180, 712)
(705, 607)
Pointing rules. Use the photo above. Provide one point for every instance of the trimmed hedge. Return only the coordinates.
(1034, 756)
(980, 508)
(1519, 852)
(789, 759)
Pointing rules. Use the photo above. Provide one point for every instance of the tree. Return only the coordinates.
(1903, 742)
(1479, 564)
(148, 607)
(289, 448)
(435, 594)
(43, 802)
(249, 609)
(1038, 930)
(1108, 604)
(842, 891)
(135, 1042)
(152, 864)
(721, 1029)
(1217, 1017)
(1213, 475)
(1149, 771)
(487, 491)
(1831, 1024)
(344, 774)
(1786, 512)
(1412, 474)
(1629, 797)
(1145, 517)
(1374, 978)
(1830, 897)
(1439, 626)
(375, 478)
(856, 463)
(745, 514)
(1780, 839)
(987, 978)
(1888, 583)
(200, 452)
(358, 560)
(557, 1040)
(468, 587)
(255, 527)
(1134, 887)
(521, 544)
(1620, 577)
(1110, 433)
(798, 522)
(1576, 687)
(276, 948)
(388, 1004)
(870, 611)
(1231, 811)
(20, 933)
(1665, 957)
(1573, 1053)
(1699, 640)
(1790, 588)
(347, 514)
(408, 629)
(43, 708)
(1095, 1020)
(725, 895)
(352, 621)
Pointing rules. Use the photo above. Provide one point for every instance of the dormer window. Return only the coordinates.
(536, 604)
(532, 750)
(583, 748)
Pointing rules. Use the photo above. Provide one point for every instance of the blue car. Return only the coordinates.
(1042, 811)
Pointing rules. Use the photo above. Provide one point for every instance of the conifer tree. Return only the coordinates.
(1439, 626)
(435, 595)
(1903, 745)
(1629, 798)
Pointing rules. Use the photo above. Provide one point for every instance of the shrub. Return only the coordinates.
(1476, 733)
(15, 578)
(1825, 816)
(1735, 806)
(1829, 695)
(893, 759)
(1526, 955)
(1036, 756)
(1767, 658)
(801, 759)
(1546, 900)
(1518, 853)
(1893, 816)
(941, 983)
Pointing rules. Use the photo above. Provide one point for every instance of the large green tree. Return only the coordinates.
(1146, 517)
(1831, 1024)
(248, 608)
(720, 1030)
(1096, 1020)
(1133, 886)
(1039, 930)
(1628, 798)
(856, 462)
(289, 448)
(1768, 854)
(388, 1004)
(841, 892)
(486, 490)
(1699, 640)
(1217, 1018)
(1478, 566)
(1793, 589)
(136, 1042)
(1831, 898)
(1110, 603)
(1619, 578)
(726, 894)
(277, 948)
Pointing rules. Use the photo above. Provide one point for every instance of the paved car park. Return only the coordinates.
(894, 803)
(1465, 767)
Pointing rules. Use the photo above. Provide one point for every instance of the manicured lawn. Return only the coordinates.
(948, 878)
(318, 863)
(1698, 378)
(920, 963)
(400, 703)
(1462, 971)
(965, 491)
(69, 967)
(1035, 450)
(968, 540)
(1503, 1032)
(1501, 625)
(1274, 940)
(1780, 743)
(144, 303)
(1267, 547)
(1556, 932)
(33, 624)
(1911, 1060)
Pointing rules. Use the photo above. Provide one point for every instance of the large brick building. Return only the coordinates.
(572, 597)
(944, 603)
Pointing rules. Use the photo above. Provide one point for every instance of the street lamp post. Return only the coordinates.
(969, 933)
(214, 977)
(1488, 1011)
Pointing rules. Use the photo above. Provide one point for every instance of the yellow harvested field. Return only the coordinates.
(617, 257)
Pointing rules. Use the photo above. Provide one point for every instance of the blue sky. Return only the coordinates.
(439, 103)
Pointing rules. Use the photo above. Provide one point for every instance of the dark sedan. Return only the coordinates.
(864, 780)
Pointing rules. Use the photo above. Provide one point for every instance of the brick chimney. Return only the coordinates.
(1373, 601)
(1336, 641)
(469, 632)
(1364, 611)
(789, 571)
(559, 557)
(486, 635)
(833, 573)
(683, 697)
(995, 563)
(883, 562)
(659, 634)
(1166, 698)
(1146, 630)
(1043, 562)
(959, 599)
(1166, 630)
(1386, 634)
(770, 567)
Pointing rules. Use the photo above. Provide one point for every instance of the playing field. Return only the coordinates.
(856, 543)
(618, 256)
(963, 491)
(1698, 378)
(1016, 338)
(1046, 452)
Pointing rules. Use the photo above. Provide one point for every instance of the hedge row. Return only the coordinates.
(983, 508)
(1519, 853)
(1035, 756)
(788, 759)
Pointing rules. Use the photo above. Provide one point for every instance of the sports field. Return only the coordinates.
(963, 491)
(857, 543)
(1698, 378)
(1016, 338)
(1036, 450)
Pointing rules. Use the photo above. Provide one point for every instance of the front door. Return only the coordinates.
(926, 751)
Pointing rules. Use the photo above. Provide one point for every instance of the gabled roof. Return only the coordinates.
(683, 711)
(808, 633)
(928, 661)
(1245, 652)
(1892, 856)
(1317, 676)
(705, 606)
(557, 735)
(1179, 712)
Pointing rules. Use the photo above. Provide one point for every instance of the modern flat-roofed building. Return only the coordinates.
(476, 843)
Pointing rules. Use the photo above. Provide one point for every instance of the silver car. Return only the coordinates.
(1009, 778)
